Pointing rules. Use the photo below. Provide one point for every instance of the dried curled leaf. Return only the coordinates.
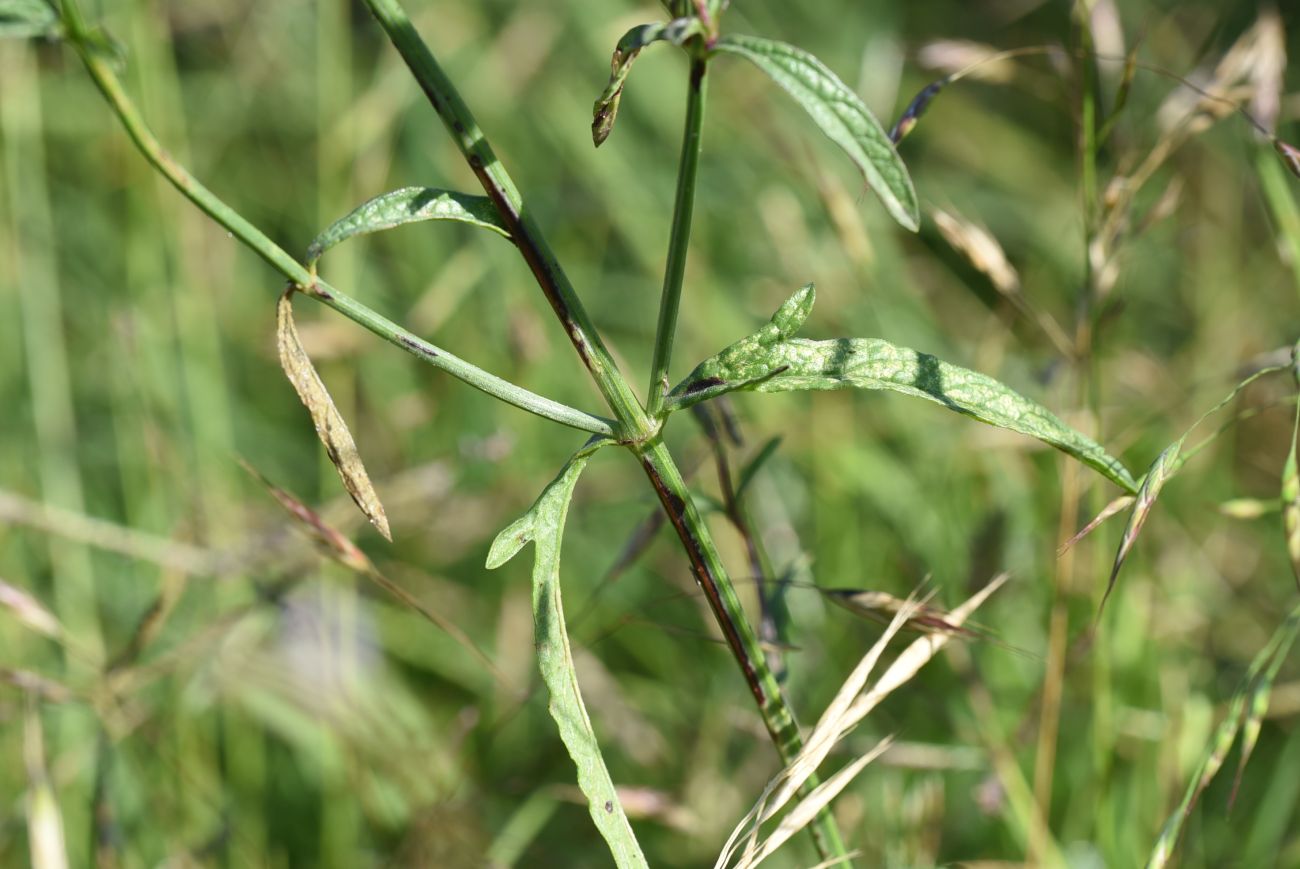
(773, 361)
(840, 114)
(605, 111)
(543, 525)
(331, 428)
(407, 205)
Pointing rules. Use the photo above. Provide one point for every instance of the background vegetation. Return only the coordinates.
(270, 708)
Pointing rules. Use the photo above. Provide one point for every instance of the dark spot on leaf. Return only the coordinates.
(417, 347)
(609, 806)
(703, 384)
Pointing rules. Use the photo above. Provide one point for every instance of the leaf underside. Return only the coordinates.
(543, 525)
(773, 361)
(407, 205)
(840, 114)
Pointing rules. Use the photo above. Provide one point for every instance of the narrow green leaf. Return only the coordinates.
(1164, 467)
(840, 114)
(407, 205)
(1247, 709)
(543, 525)
(1291, 485)
(772, 361)
(25, 19)
(605, 111)
(1168, 463)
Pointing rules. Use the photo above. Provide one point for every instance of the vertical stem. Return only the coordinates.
(524, 230)
(679, 239)
(642, 434)
(720, 593)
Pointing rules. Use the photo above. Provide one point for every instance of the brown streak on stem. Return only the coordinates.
(676, 510)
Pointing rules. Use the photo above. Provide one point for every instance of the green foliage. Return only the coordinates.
(1245, 713)
(772, 360)
(840, 114)
(407, 205)
(543, 525)
(24, 19)
(605, 112)
(184, 678)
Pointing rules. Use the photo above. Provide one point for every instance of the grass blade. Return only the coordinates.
(1168, 463)
(44, 820)
(1291, 500)
(773, 361)
(1248, 706)
(331, 428)
(29, 611)
(543, 525)
(407, 205)
(840, 114)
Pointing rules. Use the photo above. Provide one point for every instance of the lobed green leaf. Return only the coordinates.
(840, 114)
(407, 205)
(25, 19)
(543, 525)
(773, 361)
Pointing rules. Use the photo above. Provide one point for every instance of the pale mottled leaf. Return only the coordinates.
(331, 428)
(408, 205)
(543, 525)
(840, 114)
(605, 110)
(773, 361)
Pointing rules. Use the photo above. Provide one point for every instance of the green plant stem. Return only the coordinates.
(281, 261)
(637, 429)
(720, 593)
(679, 239)
(523, 228)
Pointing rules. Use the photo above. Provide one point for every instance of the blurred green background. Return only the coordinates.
(269, 708)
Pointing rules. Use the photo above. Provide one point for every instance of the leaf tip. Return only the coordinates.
(508, 543)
